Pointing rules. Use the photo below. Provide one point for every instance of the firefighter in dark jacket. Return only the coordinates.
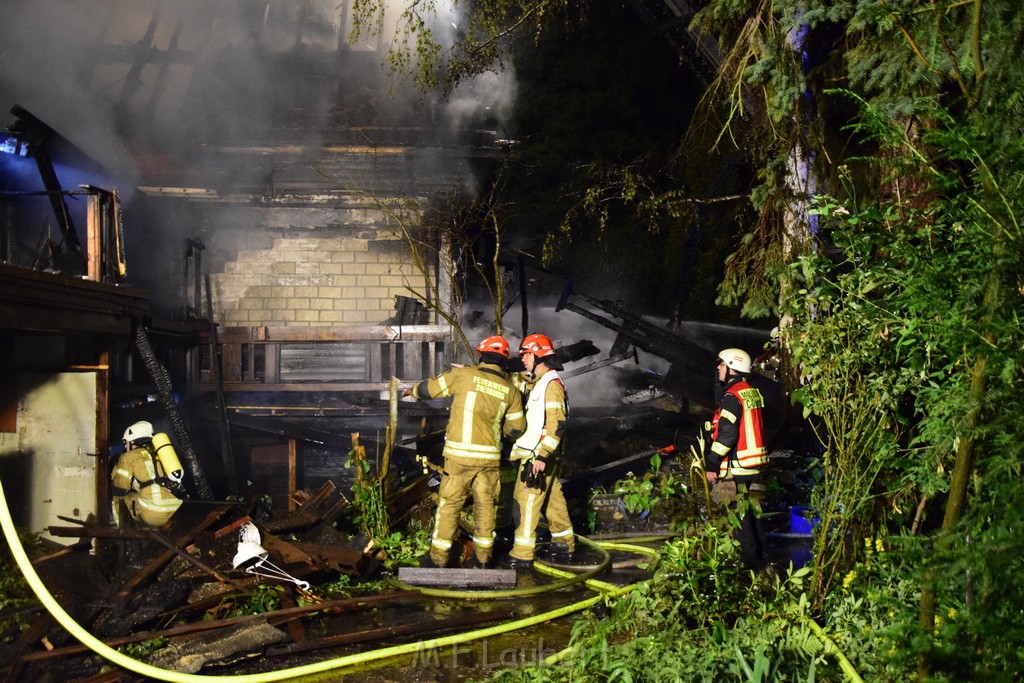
(737, 454)
(485, 406)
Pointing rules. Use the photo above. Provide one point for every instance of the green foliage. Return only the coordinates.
(872, 615)
(885, 206)
(337, 589)
(422, 49)
(144, 648)
(264, 598)
(369, 501)
(404, 548)
(15, 593)
(908, 339)
(700, 618)
(645, 493)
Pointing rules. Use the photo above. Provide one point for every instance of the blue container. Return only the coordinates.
(802, 520)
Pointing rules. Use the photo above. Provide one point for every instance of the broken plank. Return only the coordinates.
(297, 519)
(157, 563)
(60, 553)
(296, 629)
(234, 526)
(189, 656)
(195, 561)
(39, 628)
(97, 532)
(461, 578)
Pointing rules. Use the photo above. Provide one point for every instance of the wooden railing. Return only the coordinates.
(328, 358)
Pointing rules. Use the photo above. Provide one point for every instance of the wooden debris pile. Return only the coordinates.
(179, 588)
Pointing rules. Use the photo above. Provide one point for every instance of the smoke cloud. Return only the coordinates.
(163, 92)
(174, 75)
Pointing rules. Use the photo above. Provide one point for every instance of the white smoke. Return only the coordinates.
(157, 91)
(101, 71)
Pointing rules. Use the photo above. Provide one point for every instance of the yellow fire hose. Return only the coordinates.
(138, 667)
(110, 654)
(568, 580)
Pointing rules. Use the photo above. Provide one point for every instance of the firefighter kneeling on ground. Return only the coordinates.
(145, 477)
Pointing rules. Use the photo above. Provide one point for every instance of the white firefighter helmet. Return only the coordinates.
(737, 359)
(139, 430)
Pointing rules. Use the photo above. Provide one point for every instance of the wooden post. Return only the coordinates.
(389, 439)
(225, 426)
(292, 472)
(93, 239)
(102, 442)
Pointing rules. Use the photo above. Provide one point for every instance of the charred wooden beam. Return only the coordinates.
(296, 629)
(195, 561)
(39, 628)
(461, 578)
(609, 471)
(94, 531)
(38, 135)
(34, 300)
(158, 563)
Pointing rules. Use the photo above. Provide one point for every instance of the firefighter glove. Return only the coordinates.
(534, 480)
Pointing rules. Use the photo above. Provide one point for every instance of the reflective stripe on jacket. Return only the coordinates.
(485, 406)
(546, 416)
(738, 447)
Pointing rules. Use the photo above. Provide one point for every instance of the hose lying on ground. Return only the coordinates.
(134, 665)
(522, 592)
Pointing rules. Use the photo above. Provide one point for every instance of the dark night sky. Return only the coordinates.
(609, 93)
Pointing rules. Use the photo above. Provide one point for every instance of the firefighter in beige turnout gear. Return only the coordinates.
(537, 488)
(485, 406)
(138, 482)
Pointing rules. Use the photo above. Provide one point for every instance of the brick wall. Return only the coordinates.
(345, 277)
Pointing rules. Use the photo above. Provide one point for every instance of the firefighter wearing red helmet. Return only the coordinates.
(538, 450)
(737, 453)
(495, 344)
(485, 405)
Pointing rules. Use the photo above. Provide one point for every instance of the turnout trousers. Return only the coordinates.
(750, 535)
(548, 501)
(459, 481)
(151, 513)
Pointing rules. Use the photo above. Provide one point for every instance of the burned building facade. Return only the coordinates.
(248, 188)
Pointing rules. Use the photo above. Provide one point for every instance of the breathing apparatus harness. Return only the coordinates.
(166, 465)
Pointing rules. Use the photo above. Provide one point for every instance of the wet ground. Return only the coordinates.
(79, 587)
(480, 658)
(82, 587)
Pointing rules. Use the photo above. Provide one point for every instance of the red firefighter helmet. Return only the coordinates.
(495, 344)
(538, 345)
